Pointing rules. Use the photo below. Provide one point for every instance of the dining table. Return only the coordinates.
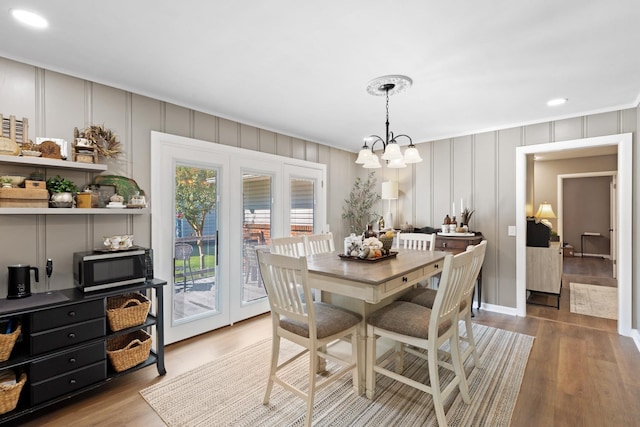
(364, 286)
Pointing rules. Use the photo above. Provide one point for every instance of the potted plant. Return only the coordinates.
(358, 208)
(62, 191)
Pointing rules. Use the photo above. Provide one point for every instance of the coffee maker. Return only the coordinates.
(20, 280)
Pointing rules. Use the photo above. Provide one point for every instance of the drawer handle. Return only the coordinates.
(72, 360)
(71, 335)
(444, 244)
(72, 314)
(72, 381)
(404, 279)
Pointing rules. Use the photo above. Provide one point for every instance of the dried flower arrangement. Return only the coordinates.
(105, 141)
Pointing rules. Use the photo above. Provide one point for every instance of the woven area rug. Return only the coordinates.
(229, 391)
(593, 300)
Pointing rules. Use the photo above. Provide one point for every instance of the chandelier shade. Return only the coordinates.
(391, 152)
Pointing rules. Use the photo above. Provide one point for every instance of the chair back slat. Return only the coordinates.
(293, 246)
(455, 274)
(319, 243)
(416, 241)
(479, 252)
(285, 279)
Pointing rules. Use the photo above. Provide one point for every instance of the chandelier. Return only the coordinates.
(388, 85)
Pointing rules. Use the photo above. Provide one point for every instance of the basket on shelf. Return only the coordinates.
(129, 350)
(7, 341)
(9, 394)
(125, 311)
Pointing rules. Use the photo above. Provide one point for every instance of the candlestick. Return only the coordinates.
(453, 208)
(461, 207)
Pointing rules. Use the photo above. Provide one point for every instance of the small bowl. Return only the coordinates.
(31, 153)
(16, 181)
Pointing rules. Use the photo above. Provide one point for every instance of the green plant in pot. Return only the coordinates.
(61, 191)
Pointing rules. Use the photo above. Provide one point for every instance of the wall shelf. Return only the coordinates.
(52, 163)
(71, 211)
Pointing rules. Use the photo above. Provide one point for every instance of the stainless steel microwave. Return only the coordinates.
(97, 270)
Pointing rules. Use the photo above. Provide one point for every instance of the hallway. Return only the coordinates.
(588, 270)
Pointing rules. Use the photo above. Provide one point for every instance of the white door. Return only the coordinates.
(304, 194)
(188, 199)
(259, 208)
(211, 206)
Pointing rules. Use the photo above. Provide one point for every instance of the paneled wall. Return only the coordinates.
(479, 168)
(55, 103)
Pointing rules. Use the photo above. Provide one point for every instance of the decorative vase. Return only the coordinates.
(62, 200)
(369, 232)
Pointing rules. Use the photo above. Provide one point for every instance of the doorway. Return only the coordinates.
(623, 216)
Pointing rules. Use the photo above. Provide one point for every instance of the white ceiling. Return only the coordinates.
(301, 67)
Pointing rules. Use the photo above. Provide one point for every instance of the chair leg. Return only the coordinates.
(370, 374)
(275, 352)
(313, 368)
(471, 340)
(434, 379)
(399, 357)
(458, 368)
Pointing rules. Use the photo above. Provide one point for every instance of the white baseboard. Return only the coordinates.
(511, 311)
(635, 334)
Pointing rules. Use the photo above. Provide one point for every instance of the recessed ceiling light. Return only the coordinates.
(29, 18)
(558, 101)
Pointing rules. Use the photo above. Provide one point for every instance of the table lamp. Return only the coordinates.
(389, 192)
(545, 211)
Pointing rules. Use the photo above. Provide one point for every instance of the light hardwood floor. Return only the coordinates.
(575, 376)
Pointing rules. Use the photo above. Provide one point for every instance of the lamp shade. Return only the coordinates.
(545, 211)
(372, 162)
(390, 190)
(363, 156)
(392, 152)
(411, 155)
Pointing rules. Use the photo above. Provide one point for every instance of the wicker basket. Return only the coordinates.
(9, 394)
(7, 341)
(387, 242)
(129, 350)
(125, 311)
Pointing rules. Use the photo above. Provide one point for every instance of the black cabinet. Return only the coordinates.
(63, 344)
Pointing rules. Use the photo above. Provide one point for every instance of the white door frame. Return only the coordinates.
(624, 218)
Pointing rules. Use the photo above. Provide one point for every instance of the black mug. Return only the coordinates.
(20, 280)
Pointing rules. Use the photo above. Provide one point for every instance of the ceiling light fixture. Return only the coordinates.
(388, 85)
(29, 18)
(555, 102)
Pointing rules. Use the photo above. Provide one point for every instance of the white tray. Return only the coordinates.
(456, 234)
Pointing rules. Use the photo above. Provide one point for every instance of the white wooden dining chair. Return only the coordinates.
(293, 246)
(416, 329)
(319, 243)
(416, 241)
(313, 326)
(426, 298)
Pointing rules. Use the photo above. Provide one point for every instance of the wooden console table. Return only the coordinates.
(457, 244)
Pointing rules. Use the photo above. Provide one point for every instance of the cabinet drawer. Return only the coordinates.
(65, 336)
(66, 315)
(452, 245)
(68, 382)
(67, 361)
(403, 281)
